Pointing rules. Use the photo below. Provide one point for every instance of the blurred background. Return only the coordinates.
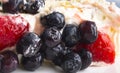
(116, 1)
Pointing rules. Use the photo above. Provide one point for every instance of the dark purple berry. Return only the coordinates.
(58, 60)
(13, 6)
(52, 53)
(55, 19)
(32, 6)
(32, 63)
(51, 37)
(9, 62)
(29, 44)
(70, 35)
(86, 58)
(71, 63)
(88, 32)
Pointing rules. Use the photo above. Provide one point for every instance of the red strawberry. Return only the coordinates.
(11, 29)
(102, 49)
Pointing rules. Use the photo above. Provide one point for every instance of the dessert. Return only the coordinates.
(103, 13)
(61, 25)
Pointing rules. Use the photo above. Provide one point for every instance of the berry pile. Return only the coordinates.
(57, 47)
(72, 50)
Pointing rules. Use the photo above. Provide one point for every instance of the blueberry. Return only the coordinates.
(9, 62)
(58, 59)
(52, 53)
(71, 63)
(86, 58)
(51, 37)
(55, 19)
(13, 6)
(70, 35)
(29, 44)
(32, 6)
(32, 63)
(88, 32)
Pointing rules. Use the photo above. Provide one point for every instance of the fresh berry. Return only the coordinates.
(59, 58)
(52, 53)
(88, 32)
(9, 62)
(103, 49)
(71, 63)
(29, 44)
(11, 29)
(12, 6)
(55, 19)
(51, 37)
(86, 58)
(32, 6)
(70, 35)
(32, 63)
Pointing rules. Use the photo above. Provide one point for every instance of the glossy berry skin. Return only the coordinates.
(55, 19)
(13, 6)
(29, 44)
(52, 53)
(60, 56)
(9, 62)
(88, 32)
(32, 63)
(51, 37)
(70, 35)
(11, 30)
(32, 6)
(86, 58)
(103, 49)
(71, 63)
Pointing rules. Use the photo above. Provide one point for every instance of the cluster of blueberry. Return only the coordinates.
(57, 47)
(24, 6)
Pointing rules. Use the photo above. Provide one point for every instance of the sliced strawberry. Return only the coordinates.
(102, 49)
(11, 29)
